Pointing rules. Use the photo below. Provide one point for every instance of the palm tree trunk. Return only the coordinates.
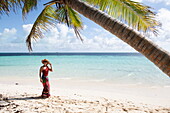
(158, 56)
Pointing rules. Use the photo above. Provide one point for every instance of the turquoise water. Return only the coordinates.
(118, 69)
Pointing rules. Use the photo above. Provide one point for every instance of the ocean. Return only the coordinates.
(114, 68)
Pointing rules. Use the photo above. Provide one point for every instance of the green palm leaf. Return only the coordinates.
(49, 16)
(4, 7)
(7, 5)
(44, 20)
(134, 14)
(26, 5)
(29, 5)
(75, 21)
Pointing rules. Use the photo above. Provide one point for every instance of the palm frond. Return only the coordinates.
(26, 5)
(29, 5)
(135, 14)
(68, 16)
(44, 20)
(7, 5)
(49, 16)
(4, 6)
(75, 21)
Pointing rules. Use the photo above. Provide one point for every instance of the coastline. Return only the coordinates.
(86, 93)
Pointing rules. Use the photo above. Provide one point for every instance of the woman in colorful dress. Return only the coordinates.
(43, 74)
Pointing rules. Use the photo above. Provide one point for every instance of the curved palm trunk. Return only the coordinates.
(155, 54)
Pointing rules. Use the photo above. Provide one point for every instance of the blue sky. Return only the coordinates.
(13, 32)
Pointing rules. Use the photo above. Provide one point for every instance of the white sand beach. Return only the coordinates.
(76, 96)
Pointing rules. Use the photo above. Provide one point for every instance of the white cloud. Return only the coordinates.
(101, 43)
(8, 35)
(8, 32)
(164, 18)
(163, 39)
(60, 38)
(85, 27)
(167, 2)
(137, 0)
(27, 28)
(10, 42)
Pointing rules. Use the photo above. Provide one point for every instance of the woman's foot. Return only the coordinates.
(45, 96)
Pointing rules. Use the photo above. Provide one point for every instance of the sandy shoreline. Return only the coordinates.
(82, 97)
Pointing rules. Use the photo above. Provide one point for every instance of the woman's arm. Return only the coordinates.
(40, 71)
(51, 68)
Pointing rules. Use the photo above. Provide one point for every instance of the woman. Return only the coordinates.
(43, 73)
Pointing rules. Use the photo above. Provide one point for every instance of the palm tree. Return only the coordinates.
(105, 13)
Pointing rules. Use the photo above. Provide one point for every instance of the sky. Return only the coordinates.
(14, 30)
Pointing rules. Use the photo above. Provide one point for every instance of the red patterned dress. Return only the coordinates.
(45, 82)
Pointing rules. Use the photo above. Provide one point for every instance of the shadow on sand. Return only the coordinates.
(27, 98)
